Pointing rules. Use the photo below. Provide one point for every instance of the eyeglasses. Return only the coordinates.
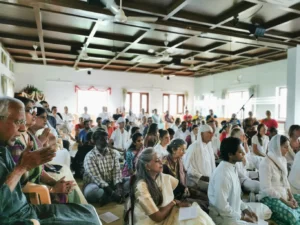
(31, 110)
(17, 122)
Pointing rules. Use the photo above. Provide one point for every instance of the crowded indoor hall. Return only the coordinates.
(150, 112)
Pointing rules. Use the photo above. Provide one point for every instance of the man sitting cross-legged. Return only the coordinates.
(224, 190)
(14, 208)
(102, 177)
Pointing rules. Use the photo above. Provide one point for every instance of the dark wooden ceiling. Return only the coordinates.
(205, 36)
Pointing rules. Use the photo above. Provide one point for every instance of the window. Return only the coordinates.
(236, 99)
(282, 102)
(173, 103)
(3, 58)
(11, 66)
(92, 99)
(135, 101)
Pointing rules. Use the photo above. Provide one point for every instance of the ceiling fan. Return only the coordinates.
(34, 54)
(121, 17)
(82, 69)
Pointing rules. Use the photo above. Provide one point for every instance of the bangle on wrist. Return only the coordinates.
(51, 189)
(174, 202)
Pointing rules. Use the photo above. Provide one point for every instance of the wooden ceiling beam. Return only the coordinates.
(38, 20)
(78, 8)
(141, 34)
(88, 40)
(175, 7)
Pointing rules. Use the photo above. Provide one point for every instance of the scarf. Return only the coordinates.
(274, 153)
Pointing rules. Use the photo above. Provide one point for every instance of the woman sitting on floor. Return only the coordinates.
(132, 153)
(275, 188)
(173, 165)
(154, 201)
(151, 138)
(164, 140)
(260, 141)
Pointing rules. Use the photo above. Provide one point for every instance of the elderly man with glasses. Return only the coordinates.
(14, 208)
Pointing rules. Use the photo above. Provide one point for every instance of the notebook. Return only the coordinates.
(108, 217)
(187, 213)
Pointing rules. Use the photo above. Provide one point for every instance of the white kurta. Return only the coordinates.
(161, 151)
(68, 119)
(131, 118)
(182, 135)
(271, 180)
(199, 161)
(261, 148)
(216, 144)
(85, 116)
(294, 177)
(224, 193)
(193, 137)
(174, 127)
(104, 116)
(120, 139)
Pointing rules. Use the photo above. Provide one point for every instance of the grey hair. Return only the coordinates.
(142, 174)
(5, 102)
(236, 132)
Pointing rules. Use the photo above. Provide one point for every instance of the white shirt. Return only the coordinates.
(59, 121)
(104, 116)
(120, 139)
(216, 144)
(224, 192)
(271, 180)
(174, 127)
(85, 116)
(131, 118)
(161, 151)
(182, 135)
(68, 117)
(261, 148)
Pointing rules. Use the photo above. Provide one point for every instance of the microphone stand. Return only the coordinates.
(243, 110)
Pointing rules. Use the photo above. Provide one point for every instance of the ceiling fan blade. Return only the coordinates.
(142, 19)
(83, 69)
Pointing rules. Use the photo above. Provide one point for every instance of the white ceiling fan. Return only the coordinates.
(83, 69)
(122, 18)
(34, 55)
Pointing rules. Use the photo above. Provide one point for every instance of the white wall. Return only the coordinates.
(58, 83)
(4, 69)
(265, 77)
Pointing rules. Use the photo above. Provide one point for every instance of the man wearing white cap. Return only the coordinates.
(199, 160)
(120, 136)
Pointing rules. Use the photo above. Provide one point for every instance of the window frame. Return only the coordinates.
(141, 99)
(280, 104)
(177, 102)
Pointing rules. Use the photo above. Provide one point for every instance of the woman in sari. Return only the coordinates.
(132, 153)
(275, 189)
(153, 199)
(173, 165)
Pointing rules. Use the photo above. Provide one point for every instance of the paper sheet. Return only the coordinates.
(108, 217)
(187, 213)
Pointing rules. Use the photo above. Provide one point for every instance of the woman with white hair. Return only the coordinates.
(153, 198)
(274, 185)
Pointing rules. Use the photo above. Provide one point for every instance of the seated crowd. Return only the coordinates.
(153, 164)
